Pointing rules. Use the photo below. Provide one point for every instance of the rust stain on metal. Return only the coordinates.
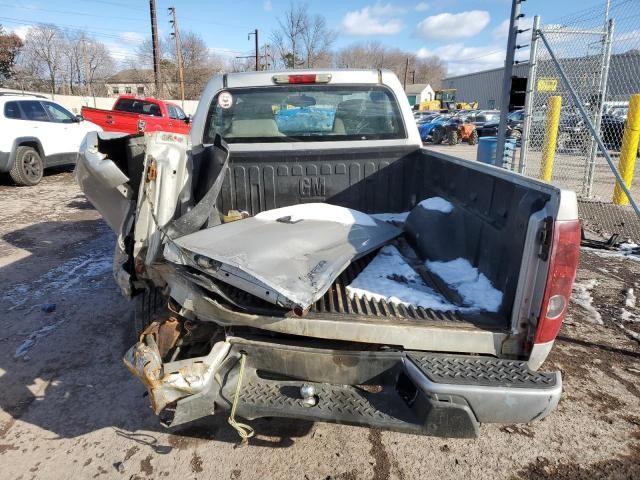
(152, 171)
(167, 335)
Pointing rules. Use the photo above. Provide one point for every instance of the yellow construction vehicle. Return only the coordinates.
(446, 100)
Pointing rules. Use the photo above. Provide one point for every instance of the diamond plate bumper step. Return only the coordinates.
(415, 392)
(498, 390)
(351, 405)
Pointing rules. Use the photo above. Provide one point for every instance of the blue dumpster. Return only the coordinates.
(486, 152)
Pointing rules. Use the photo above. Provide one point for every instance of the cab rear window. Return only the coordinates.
(133, 105)
(304, 113)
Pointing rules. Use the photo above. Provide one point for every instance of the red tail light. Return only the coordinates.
(302, 78)
(564, 257)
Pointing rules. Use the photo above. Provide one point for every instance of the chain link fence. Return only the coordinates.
(598, 49)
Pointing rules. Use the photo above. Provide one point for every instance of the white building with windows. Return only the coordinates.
(419, 92)
(131, 82)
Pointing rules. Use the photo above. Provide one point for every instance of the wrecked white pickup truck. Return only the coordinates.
(299, 254)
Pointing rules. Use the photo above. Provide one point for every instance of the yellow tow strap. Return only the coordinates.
(244, 430)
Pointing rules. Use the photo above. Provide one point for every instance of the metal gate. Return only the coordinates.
(582, 114)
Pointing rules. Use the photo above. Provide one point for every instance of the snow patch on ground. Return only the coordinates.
(389, 277)
(436, 203)
(33, 337)
(318, 211)
(631, 333)
(71, 277)
(391, 217)
(582, 297)
(626, 251)
(474, 287)
(627, 316)
(629, 298)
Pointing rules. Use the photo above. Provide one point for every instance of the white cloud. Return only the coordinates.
(132, 37)
(454, 25)
(120, 53)
(461, 59)
(422, 7)
(21, 31)
(267, 6)
(501, 31)
(378, 19)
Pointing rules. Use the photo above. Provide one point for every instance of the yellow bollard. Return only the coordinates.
(550, 137)
(629, 150)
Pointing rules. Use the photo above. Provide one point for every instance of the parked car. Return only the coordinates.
(515, 121)
(426, 129)
(213, 337)
(424, 116)
(573, 133)
(131, 114)
(37, 133)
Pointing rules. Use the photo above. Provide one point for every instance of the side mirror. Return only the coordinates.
(187, 120)
(78, 118)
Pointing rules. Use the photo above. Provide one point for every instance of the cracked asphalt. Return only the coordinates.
(69, 409)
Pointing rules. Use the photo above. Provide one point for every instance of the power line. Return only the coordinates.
(69, 12)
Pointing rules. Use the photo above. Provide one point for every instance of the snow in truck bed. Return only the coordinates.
(389, 277)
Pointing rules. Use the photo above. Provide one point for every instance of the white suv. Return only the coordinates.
(37, 133)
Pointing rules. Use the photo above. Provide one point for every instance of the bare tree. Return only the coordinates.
(42, 53)
(198, 61)
(98, 64)
(72, 58)
(288, 38)
(316, 39)
(430, 70)
(375, 55)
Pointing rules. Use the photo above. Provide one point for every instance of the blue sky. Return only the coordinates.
(468, 34)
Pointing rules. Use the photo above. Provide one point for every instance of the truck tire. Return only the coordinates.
(437, 136)
(27, 168)
(453, 137)
(473, 139)
(147, 304)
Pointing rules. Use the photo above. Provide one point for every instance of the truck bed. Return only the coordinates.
(338, 305)
(488, 227)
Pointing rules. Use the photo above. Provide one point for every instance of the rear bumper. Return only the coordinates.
(415, 392)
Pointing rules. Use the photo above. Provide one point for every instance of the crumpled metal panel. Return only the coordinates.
(289, 261)
(168, 382)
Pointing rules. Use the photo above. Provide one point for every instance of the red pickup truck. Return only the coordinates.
(131, 114)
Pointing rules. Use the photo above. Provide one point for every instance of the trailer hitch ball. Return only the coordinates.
(308, 393)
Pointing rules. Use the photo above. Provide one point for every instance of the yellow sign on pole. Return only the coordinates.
(547, 84)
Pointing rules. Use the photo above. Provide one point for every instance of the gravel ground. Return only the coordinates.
(69, 408)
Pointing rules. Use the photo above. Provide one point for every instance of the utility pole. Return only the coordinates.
(176, 35)
(266, 56)
(255, 32)
(506, 80)
(406, 70)
(156, 48)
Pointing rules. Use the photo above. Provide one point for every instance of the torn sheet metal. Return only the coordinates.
(288, 256)
(168, 382)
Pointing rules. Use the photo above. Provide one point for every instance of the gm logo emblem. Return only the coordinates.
(312, 187)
